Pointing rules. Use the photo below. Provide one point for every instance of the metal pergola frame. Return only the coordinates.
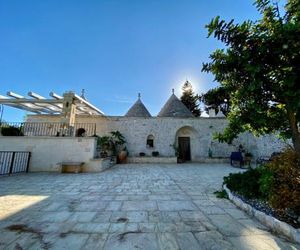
(40, 105)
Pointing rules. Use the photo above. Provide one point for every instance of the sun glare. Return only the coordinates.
(196, 84)
(12, 204)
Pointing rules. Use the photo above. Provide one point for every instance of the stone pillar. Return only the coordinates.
(68, 114)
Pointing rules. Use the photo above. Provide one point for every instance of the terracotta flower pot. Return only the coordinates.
(122, 157)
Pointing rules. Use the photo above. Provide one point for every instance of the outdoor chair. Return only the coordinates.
(236, 156)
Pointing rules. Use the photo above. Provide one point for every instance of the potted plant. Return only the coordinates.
(119, 148)
(103, 145)
(241, 148)
(155, 153)
(209, 153)
(176, 151)
(248, 158)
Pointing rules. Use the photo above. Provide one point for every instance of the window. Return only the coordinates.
(150, 141)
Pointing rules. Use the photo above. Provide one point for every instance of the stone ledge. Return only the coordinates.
(274, 224)
(149, 159)
(213, 160)
(97, 165)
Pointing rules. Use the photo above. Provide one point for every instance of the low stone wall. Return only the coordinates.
(47, 153)
(98, 164)
(147, 159)
(213, 160)
(274, 224)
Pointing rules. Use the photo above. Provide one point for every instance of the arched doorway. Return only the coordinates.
(186, 143)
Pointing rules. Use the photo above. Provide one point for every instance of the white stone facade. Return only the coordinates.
(47, 153)
(166, 130)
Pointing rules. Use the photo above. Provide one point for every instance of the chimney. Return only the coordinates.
(212, 112)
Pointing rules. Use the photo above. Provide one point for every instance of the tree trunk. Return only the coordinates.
(295, 131)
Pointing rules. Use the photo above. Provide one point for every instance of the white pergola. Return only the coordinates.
(56, 104)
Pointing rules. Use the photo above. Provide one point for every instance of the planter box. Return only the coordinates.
(71, 167)
(274, 224)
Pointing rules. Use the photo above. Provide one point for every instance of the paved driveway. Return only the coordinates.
(127, 207)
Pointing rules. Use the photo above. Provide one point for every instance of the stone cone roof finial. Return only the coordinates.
(83, 94)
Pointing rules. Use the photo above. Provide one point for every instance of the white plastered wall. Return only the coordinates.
(48, 152)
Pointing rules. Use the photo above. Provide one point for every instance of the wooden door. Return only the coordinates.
(184, 147)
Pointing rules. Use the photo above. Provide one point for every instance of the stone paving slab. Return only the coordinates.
(157, 206)
(176, 205)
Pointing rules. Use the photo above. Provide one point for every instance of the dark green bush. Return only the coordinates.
(266, 182)
(277, 182)
(11, 131)
(245, 184)
(221, 194)
(254, 183)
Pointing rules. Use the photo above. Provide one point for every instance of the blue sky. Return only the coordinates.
(113, 49)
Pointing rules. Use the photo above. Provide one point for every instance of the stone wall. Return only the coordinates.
(165, 130)
(48, 152)
(152, 160)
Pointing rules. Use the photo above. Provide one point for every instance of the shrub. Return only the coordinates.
(221, 194)
(11, 131)
(286, 191)
(254, 183)
(266, 182)
(245, 184)
(277, 182)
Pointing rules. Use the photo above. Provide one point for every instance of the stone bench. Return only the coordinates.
(71, 167)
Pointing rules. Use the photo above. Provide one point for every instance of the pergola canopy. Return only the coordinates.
(54, 105)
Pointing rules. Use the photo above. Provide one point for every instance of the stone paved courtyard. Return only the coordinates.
(127, 207)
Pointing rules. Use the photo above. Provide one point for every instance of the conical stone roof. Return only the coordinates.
(174, 108)
(138, 109)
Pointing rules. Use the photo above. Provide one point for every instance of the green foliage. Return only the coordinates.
(286, 181)
(118, 141)
(254, 183)
(221, 194)
(104, 142)
(176, 149)
(190, 99)
(266, 182)
(118, 138)
(11, 131)
(259, 68)
(218, 99)
(115, 142)
(277, 182)
(246, 184)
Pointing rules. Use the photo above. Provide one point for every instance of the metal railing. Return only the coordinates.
(47, 129)
(14, 162)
